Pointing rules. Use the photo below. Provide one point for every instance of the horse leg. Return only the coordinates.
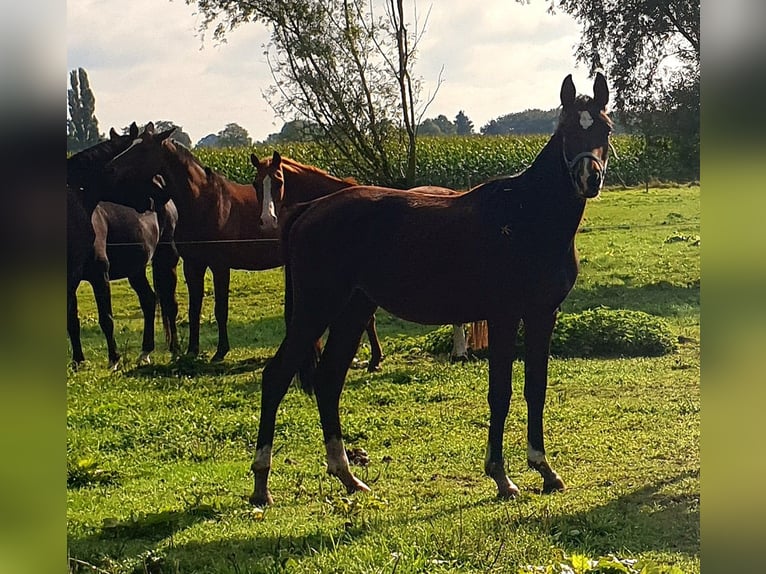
(148, 301)
(73, 326)
(103, 294)
(221, 280)
(276, 380)
(376, 352)
(459, 344)
(165, 277)
(194, 274)
(342, 343)
(537, 332)
(502, 336)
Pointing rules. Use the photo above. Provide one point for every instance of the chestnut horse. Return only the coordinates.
(221, 224)
(287, 182)
(108, 241)
(283, 182)
(507, 246)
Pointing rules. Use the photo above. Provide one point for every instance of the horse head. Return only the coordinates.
(86, 172)
(140, 168)
(269, 184)
(584, 129)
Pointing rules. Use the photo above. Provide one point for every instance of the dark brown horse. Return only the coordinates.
(107, 241)
(507, 246)
(221, 224)
(286, 183)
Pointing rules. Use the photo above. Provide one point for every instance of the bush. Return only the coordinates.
(593, 333)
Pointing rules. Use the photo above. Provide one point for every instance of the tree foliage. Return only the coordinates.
(340, 65)
(532, 121)
(463, 125)
(438, 126)
(234, 135)
(650, 52)
(81, 123)
(295, 131)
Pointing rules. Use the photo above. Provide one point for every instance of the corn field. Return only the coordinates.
(463, 162)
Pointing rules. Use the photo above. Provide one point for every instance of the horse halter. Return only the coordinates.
(572, 164)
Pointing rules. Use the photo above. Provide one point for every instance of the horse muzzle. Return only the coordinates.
(587, 172)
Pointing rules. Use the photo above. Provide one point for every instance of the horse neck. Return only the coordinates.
(549, 193)
(309, 185)
(188, 180)
(84, 172)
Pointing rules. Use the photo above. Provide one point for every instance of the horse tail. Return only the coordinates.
(308, 367)
(478, 337)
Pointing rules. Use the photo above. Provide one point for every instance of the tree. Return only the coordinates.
(463, 126)
(210, 140)
(527, 122)
(438, 126)
(295, 131)
(82, 125)
(234, 135)
(341, 66)
(650, 52)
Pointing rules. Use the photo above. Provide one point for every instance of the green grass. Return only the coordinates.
(159, 456)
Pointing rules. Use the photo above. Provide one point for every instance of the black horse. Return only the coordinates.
(113, 235)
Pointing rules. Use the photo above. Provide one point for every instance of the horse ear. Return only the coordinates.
(149, 128)
(600, 91)
(166, 134)
(113, 134)
(133, 130)
(276, 158)
(568, 92)
(254, 160)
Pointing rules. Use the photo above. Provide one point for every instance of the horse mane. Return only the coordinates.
(290, 165)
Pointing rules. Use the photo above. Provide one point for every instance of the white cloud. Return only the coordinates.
(146, 61)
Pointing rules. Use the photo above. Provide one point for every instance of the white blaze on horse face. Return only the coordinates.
(337, 461)
(268, 209)
(586, 120)
(262, 458)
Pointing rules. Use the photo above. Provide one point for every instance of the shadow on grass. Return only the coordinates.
(644, 520)
(194, 366)
(661, 298)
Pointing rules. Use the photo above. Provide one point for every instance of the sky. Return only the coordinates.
(146, 60)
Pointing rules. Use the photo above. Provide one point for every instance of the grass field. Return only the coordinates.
(158, 457)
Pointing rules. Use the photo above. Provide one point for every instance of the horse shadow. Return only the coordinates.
(660, 298)
(643, 520)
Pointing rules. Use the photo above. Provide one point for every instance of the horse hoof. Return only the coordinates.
(373, 368)
(114, 364)
(554, 485)
(218, 358)
(508, 491)
(459, 359)
(144, 360)
(261, 500)
(355, 485)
